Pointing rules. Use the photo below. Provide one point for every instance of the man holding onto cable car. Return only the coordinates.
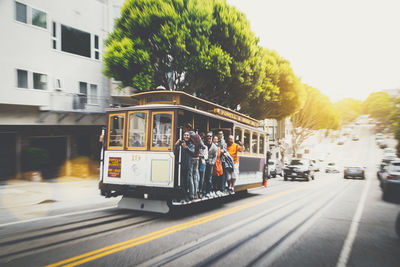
(194, 149)
(186, 159)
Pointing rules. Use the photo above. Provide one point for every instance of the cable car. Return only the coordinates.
(138, 160)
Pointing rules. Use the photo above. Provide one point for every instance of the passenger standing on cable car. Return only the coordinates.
(217, 172)
(221, 142)
(210, 162)
(232, 175)
(222, 146)
(186, 159)
(193, 177)
(202, 165)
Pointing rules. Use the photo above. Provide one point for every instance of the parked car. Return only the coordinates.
(382, 144)
(355, 137)
(389, 152)
(299, 168)
(331, 168)
(385, 162)
(354, 172)
(390, 182)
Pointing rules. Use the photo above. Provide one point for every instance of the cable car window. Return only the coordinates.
(225, 124)
(185, 119)
(254, 143)
(261, 145)
(214, 124)
(246, 141)
(200, 123)
(162, 131)
(238, 135)
(116, 131)
(137, 125)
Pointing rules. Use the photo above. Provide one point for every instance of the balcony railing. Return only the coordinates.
(75, 102)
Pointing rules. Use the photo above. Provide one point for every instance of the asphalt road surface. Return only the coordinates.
(329, 221)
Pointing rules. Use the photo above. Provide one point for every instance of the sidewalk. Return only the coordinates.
(23, 200)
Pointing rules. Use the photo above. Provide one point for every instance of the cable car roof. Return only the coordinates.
(185, 99)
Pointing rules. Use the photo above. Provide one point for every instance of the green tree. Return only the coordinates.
(379, 105)
(197, 46)
(395, 120)
(349, 109)
(317, 113)
(280, 92)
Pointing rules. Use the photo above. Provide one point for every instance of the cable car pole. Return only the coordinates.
(180, 158)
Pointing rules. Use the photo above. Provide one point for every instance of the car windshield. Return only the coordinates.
(271, 163)
(331, 164)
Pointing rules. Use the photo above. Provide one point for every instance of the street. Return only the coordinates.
(329, 221)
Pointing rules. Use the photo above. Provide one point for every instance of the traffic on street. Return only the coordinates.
(328, 221)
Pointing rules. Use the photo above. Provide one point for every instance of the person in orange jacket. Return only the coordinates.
(233, 150)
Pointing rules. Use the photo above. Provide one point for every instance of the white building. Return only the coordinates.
(52, 91)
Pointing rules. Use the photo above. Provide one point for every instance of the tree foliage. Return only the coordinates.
(317, 113)
(379, 106)
(197, 46)
(280, 92)
(349, 109)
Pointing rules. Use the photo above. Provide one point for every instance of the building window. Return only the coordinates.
(88, 93)
(54, 29)
(22, 78)
(29, 15)
(75, 41)
(96, 42)
(93, 94)
(39, 81)
(57, 84)
(39, 18)
(83, 92)
(20, 12)
(54, 35)
(96, 47)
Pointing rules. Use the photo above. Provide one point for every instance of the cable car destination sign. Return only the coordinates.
(236, 117)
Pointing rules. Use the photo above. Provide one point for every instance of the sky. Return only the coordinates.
(344, 48)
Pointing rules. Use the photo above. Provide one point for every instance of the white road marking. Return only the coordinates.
(56, 216)
(355, 222)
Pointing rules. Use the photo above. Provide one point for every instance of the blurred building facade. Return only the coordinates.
(52, 92)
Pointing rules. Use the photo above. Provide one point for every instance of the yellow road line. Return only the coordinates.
(95, 254)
